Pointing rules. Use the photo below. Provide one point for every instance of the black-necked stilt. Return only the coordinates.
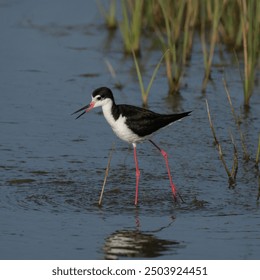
(132, 124)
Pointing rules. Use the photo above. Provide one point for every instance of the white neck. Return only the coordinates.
(107, 111)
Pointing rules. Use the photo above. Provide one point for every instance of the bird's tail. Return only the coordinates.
(176, 117)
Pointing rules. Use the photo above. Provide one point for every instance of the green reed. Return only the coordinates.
(250, 19)
(230, 28)
(190, 19)
(145, 92)
(177, 19)
(231, 23)
(212, 9)
(131, 25)
(109, 15)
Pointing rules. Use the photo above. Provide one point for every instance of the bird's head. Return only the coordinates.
(100, 97)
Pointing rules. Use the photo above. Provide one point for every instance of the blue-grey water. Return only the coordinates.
(53, 55)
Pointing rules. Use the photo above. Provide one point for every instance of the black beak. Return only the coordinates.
(81, 109)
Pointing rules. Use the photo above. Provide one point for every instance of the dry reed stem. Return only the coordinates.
(237, 121)
(235, 160)
(106, 175)
(110, 69)
(113, 74)
(258, 195)
(229, 174)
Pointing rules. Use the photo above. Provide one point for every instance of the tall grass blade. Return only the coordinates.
(173, 13)
(145, 92)
(139, 75)
(131, 25)
(155, 72)
(250, 11)
(208, 55)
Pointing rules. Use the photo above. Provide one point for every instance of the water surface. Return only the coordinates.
(52, 167)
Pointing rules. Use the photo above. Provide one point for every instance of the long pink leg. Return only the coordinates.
(137, 173)
(164, 154)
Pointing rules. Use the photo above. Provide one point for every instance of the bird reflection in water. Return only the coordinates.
(127, 243)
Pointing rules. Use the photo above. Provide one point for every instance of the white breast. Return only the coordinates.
(119, 126)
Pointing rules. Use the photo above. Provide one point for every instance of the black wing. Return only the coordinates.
(144, 122)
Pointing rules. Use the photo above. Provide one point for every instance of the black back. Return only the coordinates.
(144, 122)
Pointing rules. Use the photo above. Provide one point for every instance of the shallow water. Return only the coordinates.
(52, 167)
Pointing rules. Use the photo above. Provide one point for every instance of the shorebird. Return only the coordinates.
(133, 125)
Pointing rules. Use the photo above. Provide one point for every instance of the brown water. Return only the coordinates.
(52, 167)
